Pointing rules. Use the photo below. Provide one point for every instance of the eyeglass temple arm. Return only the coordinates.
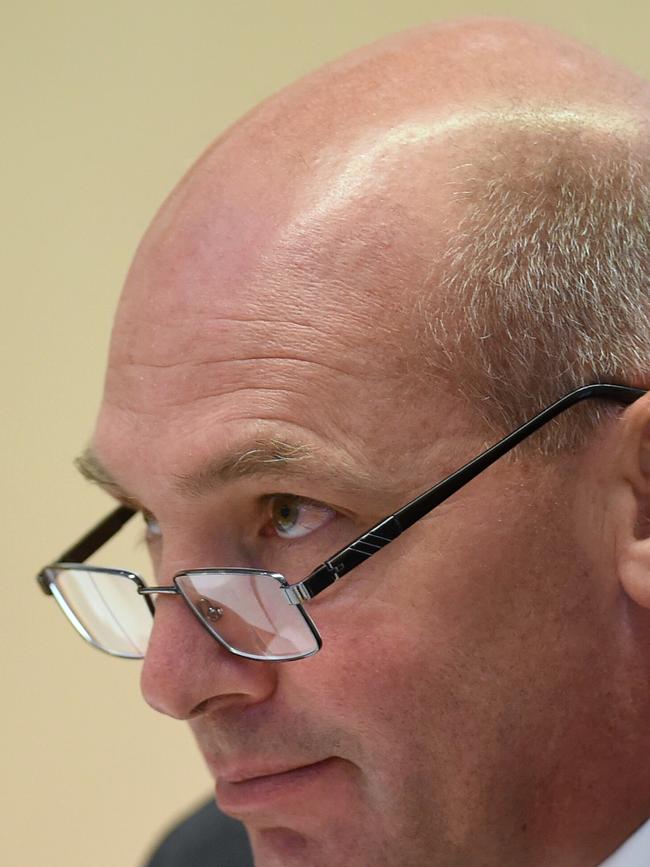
(91, 542)
(394, 525)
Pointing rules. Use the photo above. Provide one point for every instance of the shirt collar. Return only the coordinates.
(635, 852)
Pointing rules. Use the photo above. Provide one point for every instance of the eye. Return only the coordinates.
(292, 516)
(152, 532)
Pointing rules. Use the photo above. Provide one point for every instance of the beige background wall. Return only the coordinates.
(103, 106)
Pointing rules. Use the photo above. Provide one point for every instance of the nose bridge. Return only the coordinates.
(186, 548)
(180, 552)
(184, 666)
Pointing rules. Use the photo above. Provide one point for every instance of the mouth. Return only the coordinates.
(250, 793)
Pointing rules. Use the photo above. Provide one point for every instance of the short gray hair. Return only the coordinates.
(544, 284)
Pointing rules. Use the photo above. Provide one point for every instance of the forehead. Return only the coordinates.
(277, 292)
(221, 277)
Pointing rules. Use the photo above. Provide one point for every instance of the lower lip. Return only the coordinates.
(262, 791)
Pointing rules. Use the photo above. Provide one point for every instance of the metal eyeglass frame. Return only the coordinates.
(370, 542)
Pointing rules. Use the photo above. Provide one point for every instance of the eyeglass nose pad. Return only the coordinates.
(208, 610)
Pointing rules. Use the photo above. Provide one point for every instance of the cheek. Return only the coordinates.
(424, 664)
(387, 684)
(376, 677)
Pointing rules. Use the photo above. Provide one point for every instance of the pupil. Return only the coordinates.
(286, 514)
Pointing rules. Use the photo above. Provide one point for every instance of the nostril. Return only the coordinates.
(208, 610)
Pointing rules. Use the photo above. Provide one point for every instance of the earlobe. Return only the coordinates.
(632, 505)
(634, 571)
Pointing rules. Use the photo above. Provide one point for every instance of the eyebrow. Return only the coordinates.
(259, 457)
(92, 469)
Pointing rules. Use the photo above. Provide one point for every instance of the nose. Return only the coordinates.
(186, 671)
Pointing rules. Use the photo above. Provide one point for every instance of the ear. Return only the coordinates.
(632, 502)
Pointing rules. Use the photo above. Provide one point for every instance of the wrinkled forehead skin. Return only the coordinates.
(260, 279)
(309, 228)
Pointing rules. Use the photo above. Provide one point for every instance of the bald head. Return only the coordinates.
(382, 105)
(436, 79)
(354, 198)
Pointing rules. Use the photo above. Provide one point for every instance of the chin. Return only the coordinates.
(283, 847)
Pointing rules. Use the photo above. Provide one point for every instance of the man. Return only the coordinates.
(370, 278)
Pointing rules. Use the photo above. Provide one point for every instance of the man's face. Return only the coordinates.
(446, 658)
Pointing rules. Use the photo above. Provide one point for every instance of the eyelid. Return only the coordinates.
(153, 531)
(325, 512)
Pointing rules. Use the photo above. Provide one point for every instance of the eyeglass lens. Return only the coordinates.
(249, 612)
(244, 610)
(107, 607)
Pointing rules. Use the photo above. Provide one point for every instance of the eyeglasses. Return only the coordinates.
(250, 612)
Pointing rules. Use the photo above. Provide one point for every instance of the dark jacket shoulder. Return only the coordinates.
(206, 838)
